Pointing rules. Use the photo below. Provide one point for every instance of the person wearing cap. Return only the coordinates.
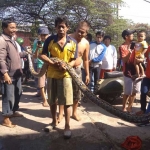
(34, 60)
(127, 55)
(109, 61)
(44, 33)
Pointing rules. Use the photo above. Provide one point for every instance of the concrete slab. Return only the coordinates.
(98, 129)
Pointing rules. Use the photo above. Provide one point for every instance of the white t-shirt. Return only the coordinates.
(110, 58)
(19, 50)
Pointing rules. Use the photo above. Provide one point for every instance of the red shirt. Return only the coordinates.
(128, 67)
(147, 54)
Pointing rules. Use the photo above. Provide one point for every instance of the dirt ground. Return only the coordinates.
(98, 129)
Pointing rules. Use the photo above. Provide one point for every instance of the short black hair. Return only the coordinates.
(107, 37)
(89, 37)
(84, 23)
(7, 21)
(100, 33)
(141, 31)
(61, 19)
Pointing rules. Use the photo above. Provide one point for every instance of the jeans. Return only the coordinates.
(145, 86)
(11, 94)
(94, 76)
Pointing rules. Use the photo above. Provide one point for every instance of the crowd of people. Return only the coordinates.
(90, 59)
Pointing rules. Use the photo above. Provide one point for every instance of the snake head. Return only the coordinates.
(28, 49)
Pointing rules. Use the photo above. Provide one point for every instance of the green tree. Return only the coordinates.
(142, 26)
(115, 31)
(99, 13)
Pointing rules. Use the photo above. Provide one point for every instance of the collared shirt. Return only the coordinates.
(67, 53)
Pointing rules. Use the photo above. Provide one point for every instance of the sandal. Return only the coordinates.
(67, 134)
(49, 127)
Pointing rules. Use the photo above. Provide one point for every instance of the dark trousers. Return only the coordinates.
(11, 94)
(145, 86)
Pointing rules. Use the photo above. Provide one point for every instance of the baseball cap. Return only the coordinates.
(127, 32)
(43, 30)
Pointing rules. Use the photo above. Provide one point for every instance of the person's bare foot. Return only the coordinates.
(60, 117)
(129, 109)
(45, 104)
(124, 109)
(139, 113)
(16, 114)
(76, 117)
(7, 123)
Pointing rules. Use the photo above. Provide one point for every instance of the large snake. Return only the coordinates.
(100, 102)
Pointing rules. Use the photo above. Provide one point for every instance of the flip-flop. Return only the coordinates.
(49, 127)
(8, 125)
(67, 134)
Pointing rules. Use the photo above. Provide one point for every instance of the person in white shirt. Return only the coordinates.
(96, 55)
(109, 61)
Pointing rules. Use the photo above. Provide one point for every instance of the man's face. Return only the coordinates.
(43, 37)
(81, 32)
(107, 42)
(99, 38)
(61, 29)
(10, 30)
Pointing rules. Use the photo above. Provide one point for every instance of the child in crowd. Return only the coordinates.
(140, 49)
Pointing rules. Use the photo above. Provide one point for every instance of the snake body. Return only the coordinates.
(100, 102)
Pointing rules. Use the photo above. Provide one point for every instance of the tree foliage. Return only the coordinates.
(99, 13)
(142, 26)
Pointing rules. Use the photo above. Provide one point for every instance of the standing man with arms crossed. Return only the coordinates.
(10, 72)
(83, 52)
(130, 86)
(59, 82)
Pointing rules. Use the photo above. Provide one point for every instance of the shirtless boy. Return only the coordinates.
(83, 52)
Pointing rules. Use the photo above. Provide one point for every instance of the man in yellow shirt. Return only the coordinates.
(59, 82)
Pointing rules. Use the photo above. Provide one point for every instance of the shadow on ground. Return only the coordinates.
(55, 141)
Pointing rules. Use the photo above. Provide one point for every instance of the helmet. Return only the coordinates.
(20, 40)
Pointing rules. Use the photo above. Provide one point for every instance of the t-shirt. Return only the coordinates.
(139, 47)
(38, 61)
(128, 67)
(110, 58)
(147, 54)
(67, 53)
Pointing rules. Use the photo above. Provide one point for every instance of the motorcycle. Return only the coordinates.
(111, 87)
